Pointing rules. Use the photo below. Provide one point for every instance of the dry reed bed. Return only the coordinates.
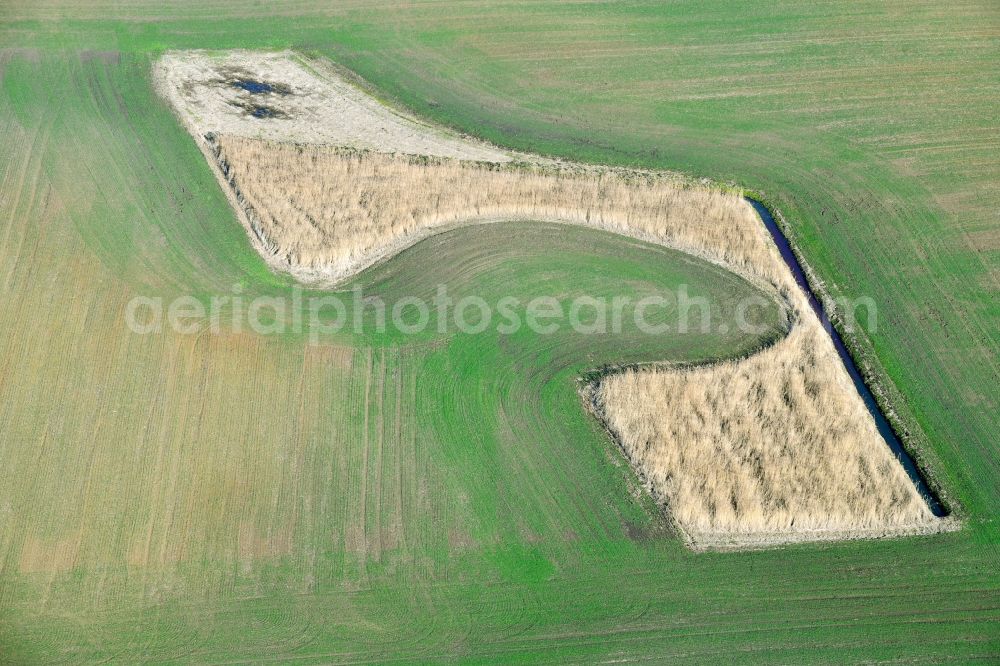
(326, 213)
(774, 448)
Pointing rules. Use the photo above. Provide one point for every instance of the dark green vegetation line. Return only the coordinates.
(423, 524)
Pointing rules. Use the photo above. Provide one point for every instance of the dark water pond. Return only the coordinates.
(264, 112)
(257, 109)
(884, 427)
(260, 87)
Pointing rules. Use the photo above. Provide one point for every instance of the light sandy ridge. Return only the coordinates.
(771, 449)
(312, 103)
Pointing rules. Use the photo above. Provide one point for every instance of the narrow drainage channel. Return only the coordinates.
(888, 434)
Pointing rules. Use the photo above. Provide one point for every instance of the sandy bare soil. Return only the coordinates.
(284, 97)
(771, 449)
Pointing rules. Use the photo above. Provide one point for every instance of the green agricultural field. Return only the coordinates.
(225, 497)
